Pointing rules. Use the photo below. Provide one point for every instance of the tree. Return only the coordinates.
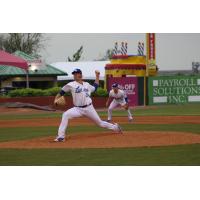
(195, 67)
(76, 56)
(108, 55)
(30, 43)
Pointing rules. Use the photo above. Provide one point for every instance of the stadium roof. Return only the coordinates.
(14, 71)
(87, 68)
(24, 55)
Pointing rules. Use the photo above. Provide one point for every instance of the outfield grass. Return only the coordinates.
(173, 155)
(167, 110)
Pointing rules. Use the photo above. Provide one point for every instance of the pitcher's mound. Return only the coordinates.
(109, 140)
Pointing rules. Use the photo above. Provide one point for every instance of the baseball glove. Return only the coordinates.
(126, 106)
(60, 101)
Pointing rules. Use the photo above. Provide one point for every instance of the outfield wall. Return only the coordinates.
(98, 102)
(173, 89)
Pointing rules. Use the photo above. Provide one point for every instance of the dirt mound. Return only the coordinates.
(109, 140)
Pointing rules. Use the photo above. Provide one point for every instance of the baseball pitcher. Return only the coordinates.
(119, 99)
(81, 91)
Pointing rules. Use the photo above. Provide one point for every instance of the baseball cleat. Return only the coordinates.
(119, 128)
(130, 120)
(109, 121)
(59, 139)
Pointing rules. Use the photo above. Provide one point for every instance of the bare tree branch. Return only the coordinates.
(30, 43)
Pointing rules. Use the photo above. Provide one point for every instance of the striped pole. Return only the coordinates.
(126, 48)
(143, 48)
(123, 49)
(140, 49)
(115, 50)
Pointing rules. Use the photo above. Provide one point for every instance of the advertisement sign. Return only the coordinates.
(173, 89)
(151, 54)
(129, 85)
(36, 64)
(151, 46)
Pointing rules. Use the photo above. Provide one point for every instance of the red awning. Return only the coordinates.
(11, 60)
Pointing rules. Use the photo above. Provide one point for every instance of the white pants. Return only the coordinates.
(114, 104)
(88, 112)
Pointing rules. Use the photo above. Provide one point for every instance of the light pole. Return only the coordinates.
(27, 77)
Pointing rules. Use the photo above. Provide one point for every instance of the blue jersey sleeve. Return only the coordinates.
(62, 92)
(95, 86)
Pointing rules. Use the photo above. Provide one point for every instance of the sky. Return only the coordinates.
(173, 50)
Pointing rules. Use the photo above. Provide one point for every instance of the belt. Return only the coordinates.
(84, 106)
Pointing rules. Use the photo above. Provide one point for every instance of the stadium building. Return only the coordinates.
(44, 76)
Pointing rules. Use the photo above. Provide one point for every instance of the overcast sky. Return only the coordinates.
(172, 50)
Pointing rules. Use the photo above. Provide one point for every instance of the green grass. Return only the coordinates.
(20, 133)
(173, 155)
(30, 116)
(167, 110)
(192, 128)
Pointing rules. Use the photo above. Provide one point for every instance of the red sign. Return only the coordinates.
(35, 62)
(129, 85)
(151, 46)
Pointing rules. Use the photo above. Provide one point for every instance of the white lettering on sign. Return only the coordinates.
(160, 91)
(176, 83)
(35, 62)
(177, 99)
(151, 46)
(129, 88)
(177, 90)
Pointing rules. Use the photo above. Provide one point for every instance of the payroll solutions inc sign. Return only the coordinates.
(173, 89)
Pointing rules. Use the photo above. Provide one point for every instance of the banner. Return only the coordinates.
(129, 85)
(151, 46)
(36, 64)
(173, 89)
(151, 69)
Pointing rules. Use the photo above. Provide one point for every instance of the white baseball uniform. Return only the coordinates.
(119, 99)
(82, 107)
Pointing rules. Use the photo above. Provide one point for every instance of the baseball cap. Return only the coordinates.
(115, 85)
(77, 71)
